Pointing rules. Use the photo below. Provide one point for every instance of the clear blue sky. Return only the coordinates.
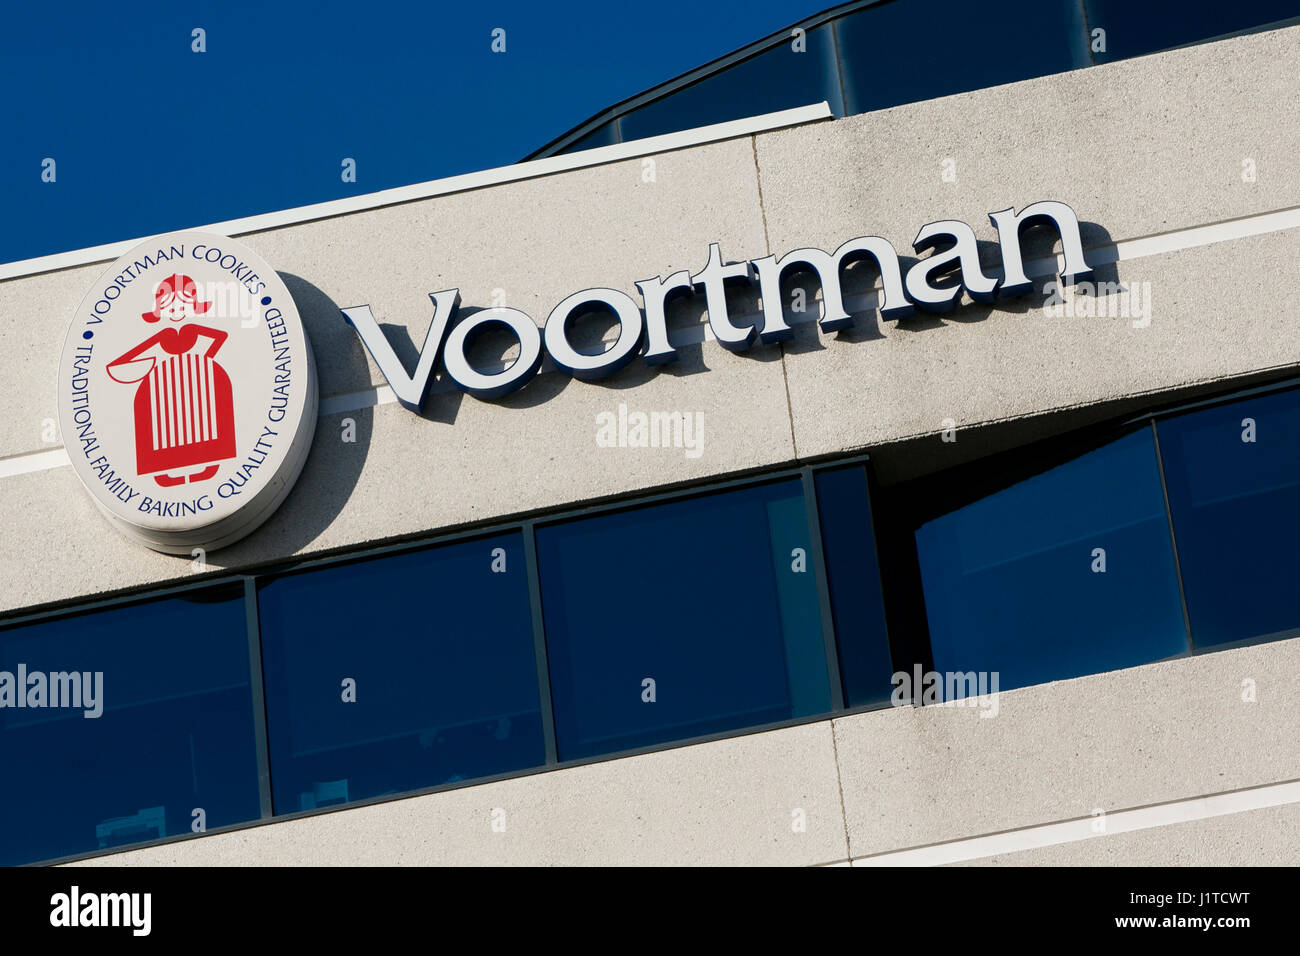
(149, 136)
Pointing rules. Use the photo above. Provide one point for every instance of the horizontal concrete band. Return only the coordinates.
(1269, 836)
(390, 473)
(1127, 251)
(1103, 824)
(1161, 733)
(976, 850)
(1157, 748)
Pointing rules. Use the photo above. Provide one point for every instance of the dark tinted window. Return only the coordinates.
(1233, 474)
(439, 644)
(1133, 29)
(1012, 581)
(780, 78)
(904, 51)
(854, 581)
(172, 748)
(714, 599)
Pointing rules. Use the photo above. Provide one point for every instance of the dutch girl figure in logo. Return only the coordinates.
(219, 405)
(184, 408)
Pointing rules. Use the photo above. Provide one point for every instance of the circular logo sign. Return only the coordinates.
(187, 392)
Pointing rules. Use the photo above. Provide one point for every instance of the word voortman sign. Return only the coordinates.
(643, 328)
(187, 392)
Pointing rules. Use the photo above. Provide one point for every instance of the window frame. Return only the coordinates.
(526, 526)
(67, 610)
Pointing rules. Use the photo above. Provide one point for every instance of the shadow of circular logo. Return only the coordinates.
(187, 392)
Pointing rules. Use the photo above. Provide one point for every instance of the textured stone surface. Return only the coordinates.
(1266, 837)
(1154, 734)
(1137, 148)
(524, 244)
(1217, 311)
(730, 802)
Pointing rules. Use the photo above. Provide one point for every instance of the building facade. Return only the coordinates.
(990, 579)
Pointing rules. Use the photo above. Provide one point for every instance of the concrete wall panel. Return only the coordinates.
(1139, 147)
(1154, 734)
(730, 802)
(1267, 837)
(1216, 312)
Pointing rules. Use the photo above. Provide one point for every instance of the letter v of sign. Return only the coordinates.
(410, 389)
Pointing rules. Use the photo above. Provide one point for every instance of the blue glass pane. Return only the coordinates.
(903, 52)
(779, 79)
(173, 735)
(706, 597)
(437, 646)
(1233, 474)
(857, 605)
(1011, 581)
(1133, 29)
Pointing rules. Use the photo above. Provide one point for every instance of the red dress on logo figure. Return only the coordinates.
(184, 407)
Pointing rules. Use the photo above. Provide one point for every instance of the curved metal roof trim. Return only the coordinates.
(691, 77)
